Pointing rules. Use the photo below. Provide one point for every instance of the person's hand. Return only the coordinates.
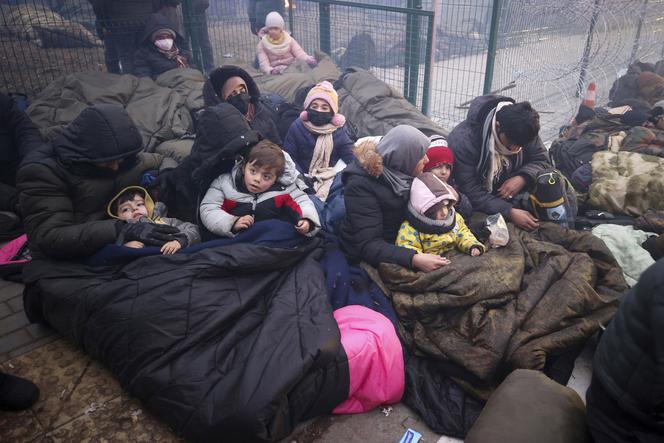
(429, 262)
(171, 247)
(475, 251)
(243, 222)
(278, 70)
(303, 226)
(311, 60)
(150, 234)
(511, 187)
(523, 219)
(134, 244)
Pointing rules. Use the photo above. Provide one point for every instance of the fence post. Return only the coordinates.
(324, 27)
(291, 22)
(637, 37)
(188, 18)
(430, 50)
(586, 50)
(412, 62)
(493, 42)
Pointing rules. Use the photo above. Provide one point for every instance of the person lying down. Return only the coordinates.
(134, 205)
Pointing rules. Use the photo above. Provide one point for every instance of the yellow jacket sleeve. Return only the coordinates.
(465, 238)
(408, 238)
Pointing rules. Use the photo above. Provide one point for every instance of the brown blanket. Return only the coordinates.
(512, 307)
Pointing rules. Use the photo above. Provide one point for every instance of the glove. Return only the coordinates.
(278, 70)
(312, 61)
(150, 234)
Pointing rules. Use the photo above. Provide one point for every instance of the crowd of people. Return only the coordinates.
(407, 197)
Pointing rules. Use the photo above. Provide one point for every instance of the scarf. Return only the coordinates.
(498, 153)
(401, 149)
(174, 54)
(277, 47)
(318, 168)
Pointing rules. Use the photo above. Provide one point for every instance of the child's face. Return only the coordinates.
(258, 180)
(274, 32)
(133, 209)
(444, 210)
(442, 172)
(320, 105)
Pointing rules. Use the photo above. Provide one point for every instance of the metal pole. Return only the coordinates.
(586, 50)
(433, 38)
(188, 13)
(427, 67)
(637, 37)
(414, 70)
(324, 27)
(291, 22)
(493, 40)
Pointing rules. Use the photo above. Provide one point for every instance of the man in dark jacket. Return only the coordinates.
(258, 9)
(200, 34)
(626, 395)
(498, 155)
(234, 85)
(17, 136)
(65, 186)
(162, 48)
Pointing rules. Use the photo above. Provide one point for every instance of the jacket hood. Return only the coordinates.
(100, 133)
(482, 105)
(368, 159)
(159, 21)
(427, 190)
(218, 77)
(149, 203)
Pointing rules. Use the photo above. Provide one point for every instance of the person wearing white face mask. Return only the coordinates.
(161, 50)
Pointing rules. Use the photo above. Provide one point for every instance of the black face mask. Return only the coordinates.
(318, 118)
(240, 102)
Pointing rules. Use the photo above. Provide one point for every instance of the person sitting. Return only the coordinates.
(441, 164)
(277, 50)
(233, 85)
(64, 186)
(625, 400)
(261, 187)
(134, 204)
(317, 140)
(376, 190)
(499, 155)
(18, 135)
(161, 49)
(432, 226)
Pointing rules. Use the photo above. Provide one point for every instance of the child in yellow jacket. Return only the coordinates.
(432, 225)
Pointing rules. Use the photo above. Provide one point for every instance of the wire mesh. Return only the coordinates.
(546, 51)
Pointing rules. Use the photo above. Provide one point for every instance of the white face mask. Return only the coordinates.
(165, 44)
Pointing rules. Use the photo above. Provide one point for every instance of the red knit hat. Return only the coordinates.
(438, 154)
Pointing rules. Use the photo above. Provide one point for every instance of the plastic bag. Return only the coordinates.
(500, 236)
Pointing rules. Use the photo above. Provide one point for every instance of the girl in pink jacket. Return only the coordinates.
(277, 50)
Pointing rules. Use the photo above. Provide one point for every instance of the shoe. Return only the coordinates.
(17, 393)
(8, 221)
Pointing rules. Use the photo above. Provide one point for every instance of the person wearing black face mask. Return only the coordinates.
(317, 140)
(233, 85)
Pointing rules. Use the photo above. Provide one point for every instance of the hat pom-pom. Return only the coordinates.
(304, 116)
(338, 120)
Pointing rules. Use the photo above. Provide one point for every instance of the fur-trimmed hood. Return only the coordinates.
(368, 157)
(217, 79)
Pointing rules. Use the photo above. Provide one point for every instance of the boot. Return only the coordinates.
(16, 393)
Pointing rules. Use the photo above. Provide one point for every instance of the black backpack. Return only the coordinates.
(554, 199)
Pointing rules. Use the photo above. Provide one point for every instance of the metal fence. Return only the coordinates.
(438, 53)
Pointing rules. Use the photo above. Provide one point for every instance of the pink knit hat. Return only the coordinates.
(324, 91)
(274, 20)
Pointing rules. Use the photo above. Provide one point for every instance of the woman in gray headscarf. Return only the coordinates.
(376, 189)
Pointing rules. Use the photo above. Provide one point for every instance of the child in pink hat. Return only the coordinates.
(317, 140)
(277, 50)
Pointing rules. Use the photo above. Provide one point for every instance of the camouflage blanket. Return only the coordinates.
(160, 108)
(43, 27)
(510, 308)
(643, 140)
(627, 183)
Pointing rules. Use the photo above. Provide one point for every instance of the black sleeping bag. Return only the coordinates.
(230, 343)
